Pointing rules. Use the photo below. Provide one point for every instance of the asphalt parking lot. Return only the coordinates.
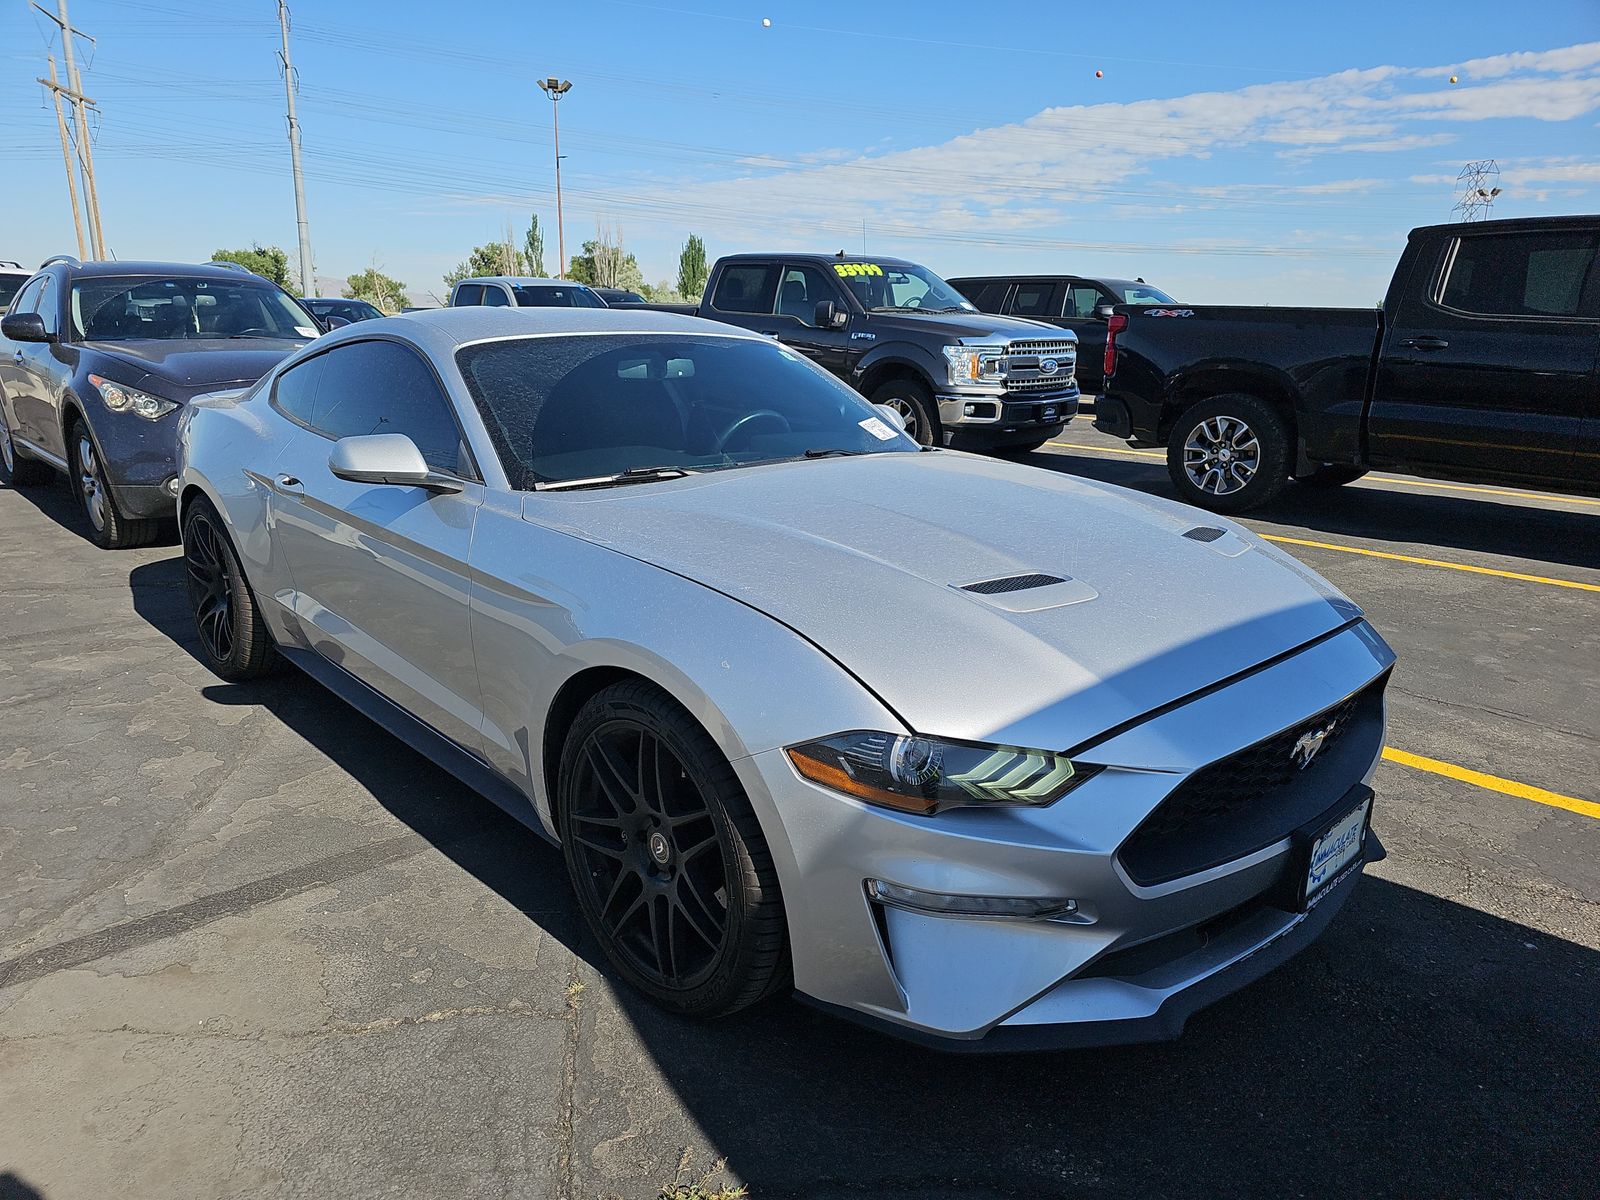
(253, 945)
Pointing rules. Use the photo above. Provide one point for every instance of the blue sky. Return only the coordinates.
(1232, 151)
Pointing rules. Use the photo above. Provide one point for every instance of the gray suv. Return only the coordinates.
(521, 291)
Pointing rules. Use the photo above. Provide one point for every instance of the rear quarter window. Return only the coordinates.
(746, 288)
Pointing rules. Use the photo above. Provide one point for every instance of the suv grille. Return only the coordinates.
(1023, 359)
(1258, 796)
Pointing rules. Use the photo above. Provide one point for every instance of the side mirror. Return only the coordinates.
(892, 416)
(333, 321)
(1103, 312)
(831, 316)
(25, 327)
(386, 458)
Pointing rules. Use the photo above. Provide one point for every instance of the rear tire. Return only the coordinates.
(234, 641)
(1229, 453)
(19, 472)
(666, 857)
(1327, 476)
(915, 406)
(108, 528)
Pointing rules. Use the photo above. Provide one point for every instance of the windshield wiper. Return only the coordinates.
(631, 475)
(828, 452)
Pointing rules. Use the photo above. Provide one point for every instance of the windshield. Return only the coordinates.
(585, 407)
(109, 309)
(352, 310)
(10, 285)
(557, 297)
(898, 287)
(1143, 293)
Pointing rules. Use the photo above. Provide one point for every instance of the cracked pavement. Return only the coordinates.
(251, 945)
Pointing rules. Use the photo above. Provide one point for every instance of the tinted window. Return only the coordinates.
(383, 387)
(495, 297)
(1084, 298)
(29, 295)
(296, 389)
(10, 285)
(124, 309)
(802, 290)
(469, 293)
(581, 407)
(1143, 293)
(553, 296)
(746, 288)
(991, 297)
(1521, 275)
(1035, 299)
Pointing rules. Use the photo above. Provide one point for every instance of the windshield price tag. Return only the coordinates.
(849, 269)
(876, 427)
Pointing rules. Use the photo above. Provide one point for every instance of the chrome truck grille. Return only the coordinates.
(1027, 364)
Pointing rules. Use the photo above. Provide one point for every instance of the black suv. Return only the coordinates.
(96, 359)
(348, 311)
(1067, 302)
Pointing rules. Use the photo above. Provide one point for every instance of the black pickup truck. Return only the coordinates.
(1481, 365)
(905, 338)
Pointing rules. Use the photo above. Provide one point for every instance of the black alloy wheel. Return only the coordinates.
(666, 857)
(234, 641)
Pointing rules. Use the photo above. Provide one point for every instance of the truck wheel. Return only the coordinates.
(1327, 476)
(1229, 453)
(911, 400)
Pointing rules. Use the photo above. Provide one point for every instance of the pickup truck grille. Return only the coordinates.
(1024, 365)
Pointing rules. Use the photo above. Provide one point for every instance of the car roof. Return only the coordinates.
(443, 328)
(1513, 225)
(189, 270)
(521, 280)
(802, 256)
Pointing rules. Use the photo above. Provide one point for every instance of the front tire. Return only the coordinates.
(234, 641)
(1229, 453)
(666, 857)
(915, 406)
(108, 528)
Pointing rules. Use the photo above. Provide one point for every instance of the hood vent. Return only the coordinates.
(1205, 533)
(1011, 583)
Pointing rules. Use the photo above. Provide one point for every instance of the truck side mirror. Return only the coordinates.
(1103, 312)
(831, 316)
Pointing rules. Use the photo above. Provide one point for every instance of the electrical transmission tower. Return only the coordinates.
(1478, 184)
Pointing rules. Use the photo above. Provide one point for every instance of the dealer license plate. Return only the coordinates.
(1336, 849)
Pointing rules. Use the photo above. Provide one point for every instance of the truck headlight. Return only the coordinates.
(927, 775)
(976, 366)
(118, 397)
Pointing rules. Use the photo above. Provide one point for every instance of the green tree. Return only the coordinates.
(660, 293)
(373, 286)
(533, 247)
(487, 260)
(692, 269)
(269, 262)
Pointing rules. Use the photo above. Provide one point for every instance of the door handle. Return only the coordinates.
(289, 485)
(1425, 343)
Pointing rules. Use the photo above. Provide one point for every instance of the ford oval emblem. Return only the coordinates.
(1048, 366)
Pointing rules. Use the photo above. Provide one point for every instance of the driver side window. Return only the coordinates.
(803, 288)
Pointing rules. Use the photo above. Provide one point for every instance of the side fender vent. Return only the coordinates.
(1205, 533)
(1013, 583)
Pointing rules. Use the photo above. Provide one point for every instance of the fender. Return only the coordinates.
(900, 354)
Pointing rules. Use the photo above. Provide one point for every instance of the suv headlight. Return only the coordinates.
(927, 775)
(976, 366)
(119, 397)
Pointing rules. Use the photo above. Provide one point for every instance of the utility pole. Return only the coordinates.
(308, 282)
(555, 89)
(74, 92)
(66, 157)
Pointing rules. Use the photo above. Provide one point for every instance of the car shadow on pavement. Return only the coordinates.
(1421, 1047)
(59, 502)
(1481, 524)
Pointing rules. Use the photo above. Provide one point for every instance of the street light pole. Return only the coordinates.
(555, 89)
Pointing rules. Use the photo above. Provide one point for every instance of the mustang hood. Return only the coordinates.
(198, 365)
(867, 558)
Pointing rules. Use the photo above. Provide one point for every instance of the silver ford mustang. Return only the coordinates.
(990, 756)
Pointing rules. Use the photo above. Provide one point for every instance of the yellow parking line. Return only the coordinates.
(1395, 479)
(1494, 783)
(1434, 562)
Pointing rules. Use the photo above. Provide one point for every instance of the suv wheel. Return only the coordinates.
(234, 641)
(1229, 453)
(672, 874)
(915, 406)
(18, 471)
(108, 528)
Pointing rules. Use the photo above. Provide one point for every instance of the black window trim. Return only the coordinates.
(272, 397)
(1434, 296)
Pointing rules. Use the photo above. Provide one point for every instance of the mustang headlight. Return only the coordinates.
(975, 366)
(927, 775)
(119, 397)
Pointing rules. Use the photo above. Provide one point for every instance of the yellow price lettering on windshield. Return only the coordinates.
(849, 269)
